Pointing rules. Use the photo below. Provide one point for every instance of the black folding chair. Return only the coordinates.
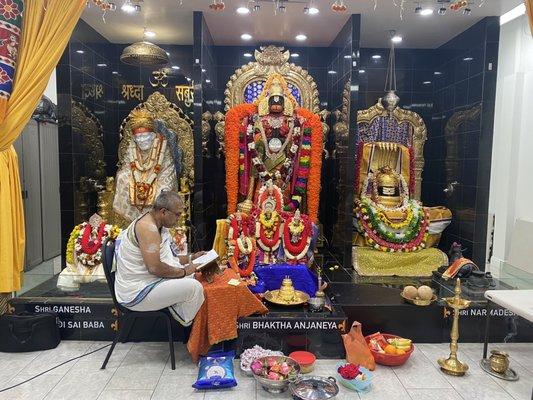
(126, 317)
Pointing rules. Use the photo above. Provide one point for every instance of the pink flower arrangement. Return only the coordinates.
(273, 369)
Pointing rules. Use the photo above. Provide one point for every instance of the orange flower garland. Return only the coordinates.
(315, 171)
(234, 119)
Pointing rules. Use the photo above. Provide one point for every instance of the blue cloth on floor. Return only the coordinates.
(302, 277)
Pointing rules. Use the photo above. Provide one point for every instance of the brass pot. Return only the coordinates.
(499, 361)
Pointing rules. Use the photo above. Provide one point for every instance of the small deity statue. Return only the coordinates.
(179, 235)
(242, 249)
(84, 253)
(269, 226)
(147, 169)
(274, 140)
(297, 235)
(388, 218)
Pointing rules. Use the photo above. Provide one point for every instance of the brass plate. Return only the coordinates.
(419, 302)
(272, 297)
(509, 375)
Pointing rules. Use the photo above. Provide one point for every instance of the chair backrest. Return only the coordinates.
(108, 253)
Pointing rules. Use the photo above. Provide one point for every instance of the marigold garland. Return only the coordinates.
(234, 119)
(315, 170)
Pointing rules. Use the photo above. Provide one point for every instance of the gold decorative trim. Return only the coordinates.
(419, 134)
(272, 59)
(175, 119)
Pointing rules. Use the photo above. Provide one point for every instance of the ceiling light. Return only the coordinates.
(396, 39)
(467, 59)
(128, 7)
(167, 53)
(175, 67)
(243, 10)
(207, 81)
(246, 36)
(514, 13)
(101, 65)
(247, 55)
(426, 82)
(376, 56)
(426, 11)
(115, 72)
(150, 34)
(80, 51)
(301, 37)
(189, 79)
(203, 70)
(362, 71)
(312, 10)
(295, 55)
(437, 73)
(332, 72)
(442, 10)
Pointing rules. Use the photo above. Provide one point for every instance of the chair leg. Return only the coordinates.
(115, 341)
(127, 329)
(171, 343)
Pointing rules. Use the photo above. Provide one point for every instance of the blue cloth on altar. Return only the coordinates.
(302, 277)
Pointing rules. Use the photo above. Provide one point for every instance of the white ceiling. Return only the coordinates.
(173, 23)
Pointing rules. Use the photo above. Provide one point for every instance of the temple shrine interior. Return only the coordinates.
(349, 162)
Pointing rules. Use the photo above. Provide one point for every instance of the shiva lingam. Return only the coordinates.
(451, 365)
(287, 295)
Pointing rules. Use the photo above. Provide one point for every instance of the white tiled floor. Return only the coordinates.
(142, 371)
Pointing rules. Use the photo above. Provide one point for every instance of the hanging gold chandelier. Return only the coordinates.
(144, 53)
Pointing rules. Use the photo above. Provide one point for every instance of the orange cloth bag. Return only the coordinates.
(357, 351)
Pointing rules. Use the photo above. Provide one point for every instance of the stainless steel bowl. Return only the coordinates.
(272, 386)
(316, 304)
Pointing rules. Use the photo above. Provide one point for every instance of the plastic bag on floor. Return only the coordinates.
(216, 371)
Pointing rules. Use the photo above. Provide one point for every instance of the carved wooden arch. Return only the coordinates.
(175, 119)
(271, 59)
(418, 139)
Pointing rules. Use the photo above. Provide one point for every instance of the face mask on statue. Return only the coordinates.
(144, 140)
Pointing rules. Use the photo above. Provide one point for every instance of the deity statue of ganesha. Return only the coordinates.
(273, 167)
(148, 167)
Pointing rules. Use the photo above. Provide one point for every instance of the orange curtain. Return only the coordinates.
(47, 26)
(529, 10)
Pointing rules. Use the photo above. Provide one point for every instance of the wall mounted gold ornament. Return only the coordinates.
(185, 93)
(159, 78)
(220, 125)
(271, 59)
(451, 365)
(133, 92)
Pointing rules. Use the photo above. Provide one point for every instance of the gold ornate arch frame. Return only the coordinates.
(419, 134)
(270, 59)
(174, 119)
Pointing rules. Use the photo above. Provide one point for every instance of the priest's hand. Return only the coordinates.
(190, 269)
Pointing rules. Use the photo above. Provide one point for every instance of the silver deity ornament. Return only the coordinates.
(275, 145)
(390, 100)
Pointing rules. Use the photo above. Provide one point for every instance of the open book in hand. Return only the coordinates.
(205, 259)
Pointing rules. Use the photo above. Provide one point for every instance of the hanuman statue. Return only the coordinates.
(273, 139)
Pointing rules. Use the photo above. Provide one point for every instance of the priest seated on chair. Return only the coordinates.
(150, 273)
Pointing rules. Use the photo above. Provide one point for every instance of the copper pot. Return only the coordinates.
(499, 361)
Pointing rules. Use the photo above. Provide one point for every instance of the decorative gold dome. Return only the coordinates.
(144, 53)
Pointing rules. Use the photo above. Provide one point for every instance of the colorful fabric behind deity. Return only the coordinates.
(10, 30)
(384, 129)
